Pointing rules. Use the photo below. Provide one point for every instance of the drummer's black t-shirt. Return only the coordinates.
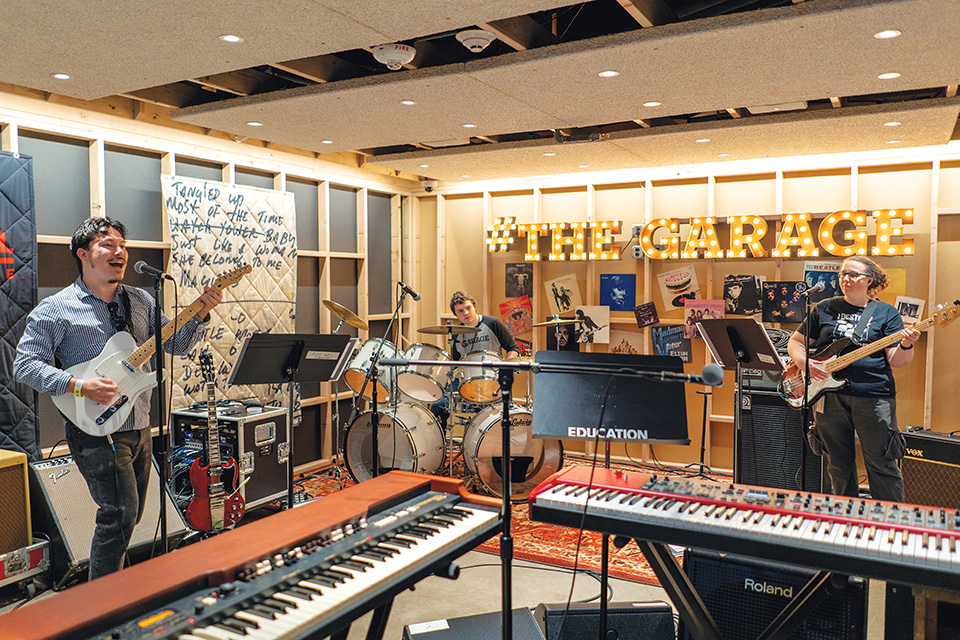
(493, 336)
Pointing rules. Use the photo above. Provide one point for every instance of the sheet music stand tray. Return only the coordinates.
(734, 342)
(276, 358)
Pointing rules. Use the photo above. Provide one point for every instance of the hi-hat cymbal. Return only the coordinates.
(345, 314)
(445, 329)
(555, 322)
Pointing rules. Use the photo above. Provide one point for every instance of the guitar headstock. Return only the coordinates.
(232, 277)
(206, 366)
(943, 315)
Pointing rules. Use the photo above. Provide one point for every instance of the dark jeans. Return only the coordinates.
(117, 476)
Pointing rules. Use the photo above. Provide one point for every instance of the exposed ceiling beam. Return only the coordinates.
(244, 82)
(734, 112)
(321, 69)
(521, 33)
(649, 13)
(951, 90)
(836, 102)
(172, 96)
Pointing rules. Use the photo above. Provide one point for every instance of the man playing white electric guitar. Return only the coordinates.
(73, 327)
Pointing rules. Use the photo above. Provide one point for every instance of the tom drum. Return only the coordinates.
(480, 384)
(362, 362)
(423, 382)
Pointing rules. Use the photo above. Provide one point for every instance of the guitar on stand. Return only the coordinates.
(791, 384)
(217, 503)
(121, 361)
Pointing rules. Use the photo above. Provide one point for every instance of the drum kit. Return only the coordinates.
(412, 436)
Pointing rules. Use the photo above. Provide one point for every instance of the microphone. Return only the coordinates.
(817, 287)
(710, 376)
(413, 294)
(147, 270)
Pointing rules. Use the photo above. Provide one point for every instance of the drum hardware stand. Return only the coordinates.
(703, 441)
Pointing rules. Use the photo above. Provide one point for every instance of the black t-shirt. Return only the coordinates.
(835, 318)
(493, 336)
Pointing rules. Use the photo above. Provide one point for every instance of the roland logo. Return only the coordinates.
(750, 584)
(916, 453)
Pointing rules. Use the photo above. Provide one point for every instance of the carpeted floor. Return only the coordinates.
(536, 541)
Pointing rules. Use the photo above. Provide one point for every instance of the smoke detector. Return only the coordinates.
(394, 55)
(476, 39)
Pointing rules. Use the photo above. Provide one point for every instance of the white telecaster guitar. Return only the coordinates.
(121, 361)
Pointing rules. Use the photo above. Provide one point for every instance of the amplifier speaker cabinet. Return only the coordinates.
(258, 440)
(625, 621)
(480, 627)
(931, 469)
(15, 532)
(768, 445)
(65, 512)
(744, 595)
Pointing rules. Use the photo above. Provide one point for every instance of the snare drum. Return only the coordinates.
(362, 362)
(410, 438)
(532, 460)
(424, 382)
(480, 384)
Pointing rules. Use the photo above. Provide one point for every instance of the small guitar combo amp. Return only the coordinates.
(931, 468)
(256, 439)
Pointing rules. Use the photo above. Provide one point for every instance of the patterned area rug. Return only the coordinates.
(539, 542)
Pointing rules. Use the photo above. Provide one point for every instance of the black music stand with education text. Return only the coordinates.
(272, 358)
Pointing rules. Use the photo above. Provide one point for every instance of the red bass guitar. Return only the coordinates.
(217, 503)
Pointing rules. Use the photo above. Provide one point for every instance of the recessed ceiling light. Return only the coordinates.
(894, 141)
(549, 154)
(608, 74)
(723, 155)
(891, 124)
(424, 166)
(703, 139)
(652, 103)
(886, 34)
(469, 125)
(230, 37)
(408, 103)
(254, 123)
(889, 76)
(582, 166)
(61, 76)
(465, 175)
(327, 141)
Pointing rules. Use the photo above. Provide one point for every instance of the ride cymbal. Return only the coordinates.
(345, 314)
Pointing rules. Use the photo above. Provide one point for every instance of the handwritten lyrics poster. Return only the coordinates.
(214, 228)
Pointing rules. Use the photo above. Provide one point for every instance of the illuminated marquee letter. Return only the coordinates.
(886, 231)
(856, 236)
(802, 241)
(740, 242)
(501, 234)
(533, 233)
(703, 237)
(669, 246)
(602, 240)
(562, 242)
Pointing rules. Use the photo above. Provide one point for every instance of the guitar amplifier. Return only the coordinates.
(931, 468)
(257, 439)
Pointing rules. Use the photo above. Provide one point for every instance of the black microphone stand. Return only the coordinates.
(804, 411)
(158, 362)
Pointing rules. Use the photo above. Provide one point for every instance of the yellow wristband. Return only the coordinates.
(77, 387)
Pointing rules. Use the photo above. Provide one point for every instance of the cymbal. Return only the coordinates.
(345, 314)
(445, 329)
(555, 322)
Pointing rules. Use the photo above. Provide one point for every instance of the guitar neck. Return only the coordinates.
(145, 351)
(849, 358)
(213, 431)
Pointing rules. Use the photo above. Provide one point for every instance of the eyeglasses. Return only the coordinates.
(119, 322)
(853, 275)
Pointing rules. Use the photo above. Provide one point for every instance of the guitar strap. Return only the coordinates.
(125, 297)
(865, 317)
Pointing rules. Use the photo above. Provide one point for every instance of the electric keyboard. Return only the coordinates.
(904, 543)
(305, 572)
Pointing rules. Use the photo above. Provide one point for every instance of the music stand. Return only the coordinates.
(734, 342)
(271, 358)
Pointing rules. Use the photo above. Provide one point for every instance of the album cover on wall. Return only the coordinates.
(783, 301)
(646, 314)
(563, 294)
(911, 309)
(669, 341)
(678, 286)
(567, 334)
(594, 324)
(697, 310)
(626, 342)
(825, 273)
(517, 314)
(518, 279)
(618, 290)
(741, 295)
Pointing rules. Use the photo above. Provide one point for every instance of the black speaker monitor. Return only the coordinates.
(625, 621)
(484, 626)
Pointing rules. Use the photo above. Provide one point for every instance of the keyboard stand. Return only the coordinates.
(698, 620)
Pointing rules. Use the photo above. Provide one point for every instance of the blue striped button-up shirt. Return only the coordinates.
(73, 325)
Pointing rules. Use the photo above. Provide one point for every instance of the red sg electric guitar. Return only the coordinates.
(217, 503)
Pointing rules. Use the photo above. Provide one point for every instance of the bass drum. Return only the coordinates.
(362, 362)
(410, 438)
(533, 460)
